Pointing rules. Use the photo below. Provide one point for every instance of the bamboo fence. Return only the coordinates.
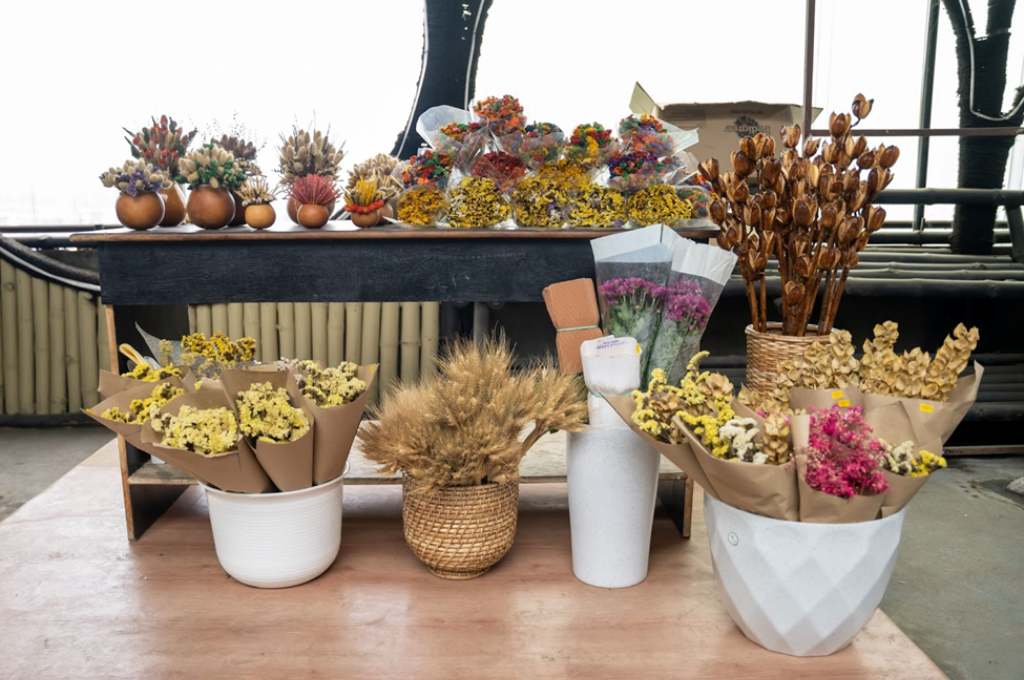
(53, 339)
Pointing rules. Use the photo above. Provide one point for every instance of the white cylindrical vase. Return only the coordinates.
(277, 540)
(800, 588)
(613, 485)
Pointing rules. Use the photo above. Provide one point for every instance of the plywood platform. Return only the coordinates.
(78, 600)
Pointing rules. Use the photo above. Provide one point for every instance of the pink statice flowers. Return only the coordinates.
(844, 457)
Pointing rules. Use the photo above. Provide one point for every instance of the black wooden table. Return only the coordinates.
(149, 278)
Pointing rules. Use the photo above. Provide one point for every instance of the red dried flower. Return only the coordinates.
(314, 190)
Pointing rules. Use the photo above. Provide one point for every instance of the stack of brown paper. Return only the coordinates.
(572, 306)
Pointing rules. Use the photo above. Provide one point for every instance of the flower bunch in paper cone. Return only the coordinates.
(809, 209)
(464, 427)
(141, 409)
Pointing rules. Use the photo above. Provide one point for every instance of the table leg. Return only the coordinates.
(676, 496)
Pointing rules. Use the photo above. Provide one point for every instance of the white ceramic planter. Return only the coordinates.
(800, 588)
(613, 484)
(277, 540)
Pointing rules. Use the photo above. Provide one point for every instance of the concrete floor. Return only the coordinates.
(957, 589)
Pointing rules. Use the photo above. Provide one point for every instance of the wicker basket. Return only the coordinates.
(460, 532)
(767, 350)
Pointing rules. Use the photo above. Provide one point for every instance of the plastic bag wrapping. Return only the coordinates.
(590, 144)
(632, 269)
(698, 275)
(611, 366)
(504, 169)
(535, 145)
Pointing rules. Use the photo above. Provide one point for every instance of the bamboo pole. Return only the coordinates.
(41, 340)
(26, 384)
(353, 331)
(9, 320)
(410, 350)
(370, 343)
(268, 332)
(318, 329)
(251, 319)
(192, 319)
(73, 366)
(303, 339)
(286, 329)
(235, 320)
(335, 333)
(103, 339)
(204, 320)
(389, 316)
(430, 329)
(58, 362)
(219, 318)
(88, 352)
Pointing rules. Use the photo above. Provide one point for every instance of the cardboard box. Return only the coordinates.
(720, 124)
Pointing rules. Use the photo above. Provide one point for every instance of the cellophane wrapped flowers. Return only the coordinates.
(421, 206)
(331, 386)
(502, 115)
(426, 168)
(632, 171)
(538, 202)
(657, 204)
(141, 410)
(537, 145)
(902, 460)
(843, 458)
(208, 356)
(594, 205)
(266, 414)
(207, 431)
(476, 203)
(685, 314)
(647, 134)
(504, 169)
(590, 144)
(632, 308)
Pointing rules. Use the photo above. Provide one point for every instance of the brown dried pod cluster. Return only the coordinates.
(824, 365)
(808, 208)
(914, 373)
(775, 438)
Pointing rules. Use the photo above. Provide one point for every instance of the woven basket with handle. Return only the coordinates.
(767, 350)
(460, 532)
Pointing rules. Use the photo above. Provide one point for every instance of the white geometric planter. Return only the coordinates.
(799, 588)
(277, 540)
(613, 484)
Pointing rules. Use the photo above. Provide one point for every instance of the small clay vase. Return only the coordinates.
(260, 215)
(238, 218)
(370, 219)
(312, 216)
(142, 211)
(293, 209)
(174, 206)
(210, 208)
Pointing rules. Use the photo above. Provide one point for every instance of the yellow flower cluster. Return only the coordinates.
(657, 204)
(900, 460)
(538, 202)
(596, 206)
(421, 206)
(702, 401)
(204, 431)
(146, 373)
(265, 414)
(218, 348)
(476, 202)
(141, 410)
(569, 176)
(331, 386)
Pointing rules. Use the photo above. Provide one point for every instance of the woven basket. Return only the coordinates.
(767, 350)
(460, 532)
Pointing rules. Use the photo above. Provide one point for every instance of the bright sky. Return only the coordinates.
(77, 72)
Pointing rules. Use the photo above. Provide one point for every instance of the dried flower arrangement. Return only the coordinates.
(427, 167)
(590, 144)
(475, 203)
(596, 206)
(809, 210)
(304, 153)
(464, 427)
(843, 459)
(136, 177)
(212, 166)
(657, 204)
(502, 114)
(538, 202)
(146, 373)
(206, 431)
(365, 197)
(257, 191)
(331, 386)
(244, 152)
(503, 168)
(265, 414)
(902, 460)
(421, 206)
(211, 355)
(162, 143)
(381, 168)
(141, 410)
(314, 190)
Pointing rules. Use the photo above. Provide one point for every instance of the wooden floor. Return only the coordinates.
(78, 601)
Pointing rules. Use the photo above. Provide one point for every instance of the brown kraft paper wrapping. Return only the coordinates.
(823, 508)
(768, 490)
(894, 424)
(572, 307)
(680, 454)
(335, 427)
(939, 417)
(289, 464)
(131, 433)
(807, 399)
(236, 470)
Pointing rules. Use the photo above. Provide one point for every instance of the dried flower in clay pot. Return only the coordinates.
(315, 196)
(256, 197)
(139, 206)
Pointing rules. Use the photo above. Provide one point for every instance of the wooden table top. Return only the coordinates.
(344, 230)
(78, 600)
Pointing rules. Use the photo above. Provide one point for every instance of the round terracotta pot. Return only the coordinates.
(140, 212)
(238, 218)
(260, 215)
(313, 216)
(363, 220)
(293, 209)
(174, 206)
(210, 208)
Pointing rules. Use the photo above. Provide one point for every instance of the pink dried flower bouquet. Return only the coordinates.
(844, 458)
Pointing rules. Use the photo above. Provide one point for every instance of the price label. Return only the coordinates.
(837, 394)
(926, 408)
(844, 403)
